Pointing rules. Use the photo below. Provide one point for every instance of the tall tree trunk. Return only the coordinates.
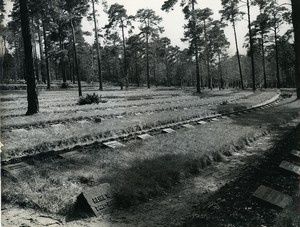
(75, 56)
(209, 76)
(251, 48)
(46, 56)
(62, 65)
(277, 58)
(220, 72)
(42, 63)
(196, 49)
(238, 55)
(147, 58)
(136, 70)
(98, 49)
(2, 60)
(296, 24)
(32, 97)
(263, 59)
(125, 58)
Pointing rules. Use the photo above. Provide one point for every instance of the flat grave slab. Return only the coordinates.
(144, 136)
(168, 130)
(17, 168)
(19, 130)
(290, 167)
(98, 198)
(201, 122)
(296, 153)
(83, 122)
(188, 126)
(114, 144)
(70, 155)
(272, 196)
(56, 125)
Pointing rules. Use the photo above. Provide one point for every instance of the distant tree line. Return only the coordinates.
(126, 55)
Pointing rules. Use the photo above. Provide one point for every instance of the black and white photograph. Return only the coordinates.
(139, 113)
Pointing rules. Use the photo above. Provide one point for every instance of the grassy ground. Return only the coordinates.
(141, 170)
(47, 131)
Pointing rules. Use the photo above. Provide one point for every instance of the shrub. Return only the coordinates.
(90, 99)
(65, 85)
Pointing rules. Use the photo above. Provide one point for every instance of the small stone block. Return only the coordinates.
(201, 122)
(119, 117)
(138, 114)
(215, 119)
(56, 125)
(16, 168)
(99, 198)
(188, 126)
(20, 130)
(83, 122)
(70, 155)
(272, 196)
(296, 153)
(290, 167)
(144, 136)
(168, 130)
(114, 144)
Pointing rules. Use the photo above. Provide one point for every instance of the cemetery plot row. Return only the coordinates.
(64, 136)
(71, 116)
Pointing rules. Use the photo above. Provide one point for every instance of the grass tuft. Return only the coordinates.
(148, 178)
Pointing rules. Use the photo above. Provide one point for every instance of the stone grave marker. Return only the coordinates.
(290, 167)
(119, 117)
(83, 122)
(19, 130)
(15, 169)
(296, 153)
(56, 126)
(114, 144)
(168, 130)
(70, 155)
(272, 196)
(188, 126)
(201, 122)
(215, 119)
(98, 199)
(138, 114)
(144, 136)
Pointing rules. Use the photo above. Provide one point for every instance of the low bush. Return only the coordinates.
(65, 85)
(90, 99)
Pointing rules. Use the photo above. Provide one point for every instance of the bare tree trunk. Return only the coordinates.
(125, 58)
(75, 56)
(46, 57)
(238, 56)
(147, 56)
(32, 97)
(251, 48)
(296, 24)
(263, 60)
(196, 50)
(98, 49)
(277, 58)
(42, 63)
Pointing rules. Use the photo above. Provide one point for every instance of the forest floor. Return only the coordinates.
(232, 153)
